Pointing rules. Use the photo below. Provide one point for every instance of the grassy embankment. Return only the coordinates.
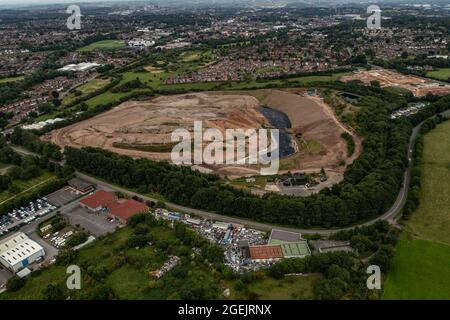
(441, 74)
(421, 266)
(104, 45)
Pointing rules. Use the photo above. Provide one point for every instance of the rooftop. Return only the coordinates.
(84, 66)
(80, 184)
(266, 252)
(99, 199)
(280, 236)
(17, 248)
(127, 209)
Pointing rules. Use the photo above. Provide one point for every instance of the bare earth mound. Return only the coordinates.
(387, 78)
(320, 133)
(135, 128)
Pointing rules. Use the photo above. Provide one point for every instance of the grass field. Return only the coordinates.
(441, 74)
(431, 221)
(86, 89)
(260, 182)
(189, 56)
(421, 266)
(11, 79)
(288, 288)
(309, 79)
(104, 45)
(420, 270)
(26, 185)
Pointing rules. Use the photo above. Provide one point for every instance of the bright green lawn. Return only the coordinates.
(441, 74)
(288, 288)
(421, 266)
(35, 285)
(27, 185)
(420, 270)
(11, 79)
(86, 89)
(104, 45)
(431, 221)
(308, 79)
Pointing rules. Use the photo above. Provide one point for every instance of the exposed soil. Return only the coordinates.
(152, 122)
(388, 78)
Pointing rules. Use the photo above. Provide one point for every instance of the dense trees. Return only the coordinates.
(33, 143)
(350, 143)
(15, 283)
(76, 239)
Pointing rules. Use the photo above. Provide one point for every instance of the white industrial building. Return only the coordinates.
(82, 67)
(18, 251)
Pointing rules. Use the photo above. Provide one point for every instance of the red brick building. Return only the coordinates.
(99, 200)
(122, 211)
(118, 209)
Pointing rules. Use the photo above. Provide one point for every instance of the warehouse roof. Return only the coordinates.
(80, 184)
(279, 236)
(18, 248)
(100, 198)
(127, 209)
(12, 241)
(266, 252)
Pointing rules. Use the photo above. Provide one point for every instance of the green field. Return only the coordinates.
(85, 89)
(420, 270)
(431, 221)
(324, 78)
(260, 182)
(287, 288)
(27, 185)
(421, 266)
(11, 79)
(441, 74)
(104, 45)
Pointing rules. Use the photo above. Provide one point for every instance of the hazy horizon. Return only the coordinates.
(22, 4)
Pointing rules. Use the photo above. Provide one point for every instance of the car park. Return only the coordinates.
(25, 214)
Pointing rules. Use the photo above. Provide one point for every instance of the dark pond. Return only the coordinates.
(279, 120)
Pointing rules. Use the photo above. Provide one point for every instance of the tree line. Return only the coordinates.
(413, 200)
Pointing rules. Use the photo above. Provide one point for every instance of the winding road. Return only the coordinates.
(390, 216)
